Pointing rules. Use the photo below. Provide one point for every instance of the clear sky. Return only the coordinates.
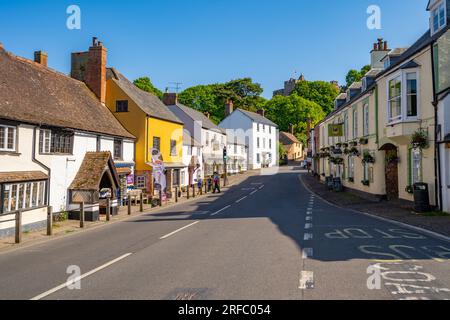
(207, 41)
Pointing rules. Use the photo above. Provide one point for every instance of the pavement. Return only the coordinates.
(267, 237)
(397, 210)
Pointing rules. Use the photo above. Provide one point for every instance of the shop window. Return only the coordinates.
(141, 182)
(23, 196)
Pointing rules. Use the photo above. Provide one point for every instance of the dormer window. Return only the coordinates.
(438, 17)
(387, 63)
(364, 84)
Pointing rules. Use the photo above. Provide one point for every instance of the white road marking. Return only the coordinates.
(247, 189)
(309, 213)
(308, 236)
(306, 280)
(252, 193)
(309, 218)
(260, 188)
(78, 279)
(307, 253)
(223, 209)
(178, 230)
(308, 226)
(256, 183)
(241, 199)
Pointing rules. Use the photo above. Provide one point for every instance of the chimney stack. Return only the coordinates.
(170, 99)
(229, 107)
(41, 57)
(291, 129)
(207, 114)
(262, 112)
(90, 67)
(380, 50)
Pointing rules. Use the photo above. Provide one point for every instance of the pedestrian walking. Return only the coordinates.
(216, 182)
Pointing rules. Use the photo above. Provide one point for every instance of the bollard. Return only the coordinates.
(129, 205)
(19, 226)
(201, 189)
(160, 198)
(206, 187)
(82, 215)
(193, 190)
(50, 221)
(141, 203)
(176, 194)
(187, 188)
(108, 209)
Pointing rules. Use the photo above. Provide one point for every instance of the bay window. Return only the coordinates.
(22, 196)
(403, 100)
(7, 138)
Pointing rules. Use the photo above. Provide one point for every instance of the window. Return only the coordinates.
(55, 142)
(7, 138)
(416, 166)
(257, 127)
(183, 178)
(235, 148)
(157, 143)
(207, 139)
(264, 143)
(270, 129)
(23, 196)
(366, 120)
(141, 182)
(264, 128)
(366, 171)
(189, 150)
(355, 124)
(258, 158)
(351, 167)
(118, 149)
(176, 177)
(173, 148)
(257, 142)
(270, 143)
(403, 97)
(122, 106)
(411, 94)
(346, 126)
(395, 99)
(438, 17)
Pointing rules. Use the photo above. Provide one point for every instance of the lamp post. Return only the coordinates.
(225, 158)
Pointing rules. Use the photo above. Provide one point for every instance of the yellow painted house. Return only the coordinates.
(152, 123)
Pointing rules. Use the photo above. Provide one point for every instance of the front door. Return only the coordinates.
(391, 174)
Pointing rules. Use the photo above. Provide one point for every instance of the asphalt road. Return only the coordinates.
(267, 238)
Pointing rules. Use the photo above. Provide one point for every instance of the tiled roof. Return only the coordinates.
(256, 117)
(21, 176)
(196, 115)
(92, 169)
(36, 94)
(148, 102)
(356, 85)
(287, 138)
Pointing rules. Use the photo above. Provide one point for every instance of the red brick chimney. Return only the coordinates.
(90, 67)
(41, 57)
(229, 107)
(207, 114)
(291, 129)
(170, 99)
(261, 112)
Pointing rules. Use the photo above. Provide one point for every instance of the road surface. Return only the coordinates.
(267, 238)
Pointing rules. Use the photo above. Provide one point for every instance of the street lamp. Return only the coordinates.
(225, 158)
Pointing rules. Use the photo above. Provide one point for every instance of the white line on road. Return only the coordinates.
(243, 198)
(309, 213)
(223, 209)
(306, 280)
(308, 226)
(262, 187)
(309, 218)
(176, 231)
(78, 279)
(308, 236)
(253, 192)
(307, 253)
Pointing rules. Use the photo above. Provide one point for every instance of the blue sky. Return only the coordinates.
(208, 41)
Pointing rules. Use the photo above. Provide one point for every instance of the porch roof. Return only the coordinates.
(22, 176)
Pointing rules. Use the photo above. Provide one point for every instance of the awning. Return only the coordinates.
(123, 171)
(123, 164)
(22, 176)
(172, 165)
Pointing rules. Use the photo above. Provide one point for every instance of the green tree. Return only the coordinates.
(146, 84)
(321, 92)
(204, 98)
(294, 110)
(355, 75)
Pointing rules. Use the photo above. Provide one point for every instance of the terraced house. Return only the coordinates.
(381, 137)
(54, 132)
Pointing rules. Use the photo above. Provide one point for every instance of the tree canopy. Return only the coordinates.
(321, 92)
(146, 84)
(355, 75)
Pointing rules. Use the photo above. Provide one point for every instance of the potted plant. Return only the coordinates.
(336, 160)
(345, 145)
(354, 143)
(365, 183)
(338, 145)
(351, 179)
(346, 151)
(419, 139)
(363, 141)
(368, 158)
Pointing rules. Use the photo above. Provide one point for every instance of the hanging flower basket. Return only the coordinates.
(354, 152)
(409, 189)
(368, 158)
(419, 140)
(338, 145)
(392, 159)
(363, 141)
(354, 144)
(351, 179)
(365, 183)
(325, 155)
(345, 145)
(337, 161)
(346, 151)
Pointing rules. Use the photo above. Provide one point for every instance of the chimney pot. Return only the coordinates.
(41, 57)
(207, 115)
(262, 112)
(94, 41)
(229, 107)
(170, 99)
(385, 46)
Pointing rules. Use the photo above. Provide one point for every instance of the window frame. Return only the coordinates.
(173, 147)
(351, 167)
(141, 180)
(355, 123)
(155, 138)
(436, 12)
(6, 138)
(403, 117)
(120, 155)
(55, 143)
(366, 120)
(33, 196)
(118, 110)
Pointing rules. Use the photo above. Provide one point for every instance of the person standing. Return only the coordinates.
(216, 182)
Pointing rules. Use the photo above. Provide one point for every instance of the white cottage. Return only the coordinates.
(51, 124)
(256, 132)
